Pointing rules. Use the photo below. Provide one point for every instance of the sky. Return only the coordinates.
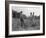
(27, 10)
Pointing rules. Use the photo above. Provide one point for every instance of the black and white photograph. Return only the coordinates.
(25, 18)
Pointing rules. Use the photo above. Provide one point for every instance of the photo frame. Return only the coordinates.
(33, 23)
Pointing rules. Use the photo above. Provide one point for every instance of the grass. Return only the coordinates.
(33, 24)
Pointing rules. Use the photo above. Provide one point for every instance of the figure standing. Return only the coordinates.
(21, 19)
